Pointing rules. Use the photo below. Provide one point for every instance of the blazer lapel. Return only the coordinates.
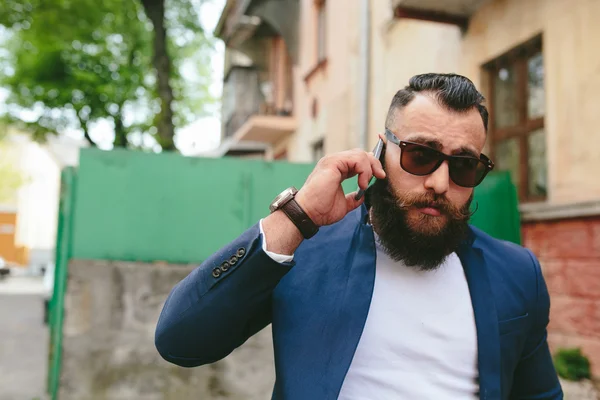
(486, 321)
(350, 322)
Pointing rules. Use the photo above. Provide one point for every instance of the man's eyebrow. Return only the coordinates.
(465, 151)
(425, 140)
(437, 145)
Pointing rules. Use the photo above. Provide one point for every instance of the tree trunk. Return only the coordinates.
(86, 133)
(155, 10)
(120, 133)
(87, 136)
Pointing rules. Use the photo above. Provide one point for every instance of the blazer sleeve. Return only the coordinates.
(535, 376)
(211, 312)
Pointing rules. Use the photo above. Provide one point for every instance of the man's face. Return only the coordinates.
(424, 121)
(421, 219)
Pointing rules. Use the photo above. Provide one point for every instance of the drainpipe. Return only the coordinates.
(365, 60)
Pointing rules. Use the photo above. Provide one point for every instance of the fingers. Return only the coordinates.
(356, 162)
(351, 202)
(376, 166)
(366, 167)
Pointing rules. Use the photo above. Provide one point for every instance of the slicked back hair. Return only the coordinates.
(455, 92)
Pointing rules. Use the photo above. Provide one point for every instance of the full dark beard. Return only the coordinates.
(426, 244)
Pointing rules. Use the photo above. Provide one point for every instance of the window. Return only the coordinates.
(318, 150)
(321, 29)
(517, 109)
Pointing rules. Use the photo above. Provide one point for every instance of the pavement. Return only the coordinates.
(23, 339)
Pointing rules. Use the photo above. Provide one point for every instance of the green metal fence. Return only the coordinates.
(497, 207)
(63, 254)
(134, 206)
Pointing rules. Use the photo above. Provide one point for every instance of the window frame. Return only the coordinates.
(318, 149)
(321, 30)
(517, 58)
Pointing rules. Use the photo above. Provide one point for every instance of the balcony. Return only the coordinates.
(257, 105)
(262, 128)
(244, 21)
(456, 12)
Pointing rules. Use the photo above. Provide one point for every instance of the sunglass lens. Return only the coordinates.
(419, 160)
(467, 171)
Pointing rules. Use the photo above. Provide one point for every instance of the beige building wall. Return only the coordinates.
(402, 48)
(572, 80)
(334, 87)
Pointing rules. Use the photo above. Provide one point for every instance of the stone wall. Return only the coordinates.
(569, 253)
(111, 310)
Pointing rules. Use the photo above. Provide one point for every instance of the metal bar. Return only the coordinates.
(63, 254)
(365, 62)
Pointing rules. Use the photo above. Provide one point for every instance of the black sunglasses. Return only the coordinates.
(418, 159)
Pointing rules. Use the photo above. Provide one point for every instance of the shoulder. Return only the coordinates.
(514, 271)
(502, 250)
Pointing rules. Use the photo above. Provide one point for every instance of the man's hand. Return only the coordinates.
(322, 196)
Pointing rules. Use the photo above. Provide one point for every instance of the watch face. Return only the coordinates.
(282, 198)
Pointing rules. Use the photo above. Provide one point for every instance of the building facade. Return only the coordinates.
(29, 212)
(331, 68)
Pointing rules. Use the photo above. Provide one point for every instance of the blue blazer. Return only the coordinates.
(318, 305)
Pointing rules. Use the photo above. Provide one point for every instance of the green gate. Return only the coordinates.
(134, 206)
(63, 253)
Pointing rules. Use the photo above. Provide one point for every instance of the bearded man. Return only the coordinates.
(391, 295)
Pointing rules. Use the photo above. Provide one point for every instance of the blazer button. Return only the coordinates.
(233, 260)
(216, 272)
(240, 253)
(225, 266)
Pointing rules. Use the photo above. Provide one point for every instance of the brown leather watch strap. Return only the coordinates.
(302, 221)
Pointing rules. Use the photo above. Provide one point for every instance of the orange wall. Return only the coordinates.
(8, 227)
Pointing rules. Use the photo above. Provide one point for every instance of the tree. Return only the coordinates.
(72, 63)
(186, 35)
(11, 179)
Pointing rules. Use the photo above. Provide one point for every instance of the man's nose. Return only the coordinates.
(438, 180)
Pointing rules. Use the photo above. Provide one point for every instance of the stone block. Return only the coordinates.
(111, 310)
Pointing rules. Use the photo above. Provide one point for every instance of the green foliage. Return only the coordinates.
(186, 36)
(571, 364)
(71, 63)
(11, 179)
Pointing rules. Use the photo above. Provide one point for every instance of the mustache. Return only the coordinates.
(440, 202)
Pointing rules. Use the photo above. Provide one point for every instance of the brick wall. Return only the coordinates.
(569, 253)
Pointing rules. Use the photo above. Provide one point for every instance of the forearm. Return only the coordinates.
(281, 235)
(206, 317)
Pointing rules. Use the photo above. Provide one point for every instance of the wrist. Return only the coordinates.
(287, 202)
(281, 235)
(303, 201)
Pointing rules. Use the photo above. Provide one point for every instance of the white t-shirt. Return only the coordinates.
(419, 340)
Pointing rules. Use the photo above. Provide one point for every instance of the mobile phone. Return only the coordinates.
(377, 153)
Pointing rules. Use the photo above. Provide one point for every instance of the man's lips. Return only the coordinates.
(430, 209)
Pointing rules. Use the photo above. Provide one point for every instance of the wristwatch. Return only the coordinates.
(287, 203)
